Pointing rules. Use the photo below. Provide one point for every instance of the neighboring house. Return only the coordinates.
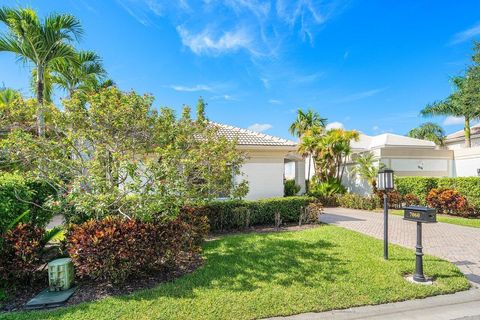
(267, 156)
(415, 157)
(467, 160)
(406, 156)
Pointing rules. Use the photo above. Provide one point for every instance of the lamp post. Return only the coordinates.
(385, 183)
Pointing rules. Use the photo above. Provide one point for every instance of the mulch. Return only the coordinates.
(95, 290)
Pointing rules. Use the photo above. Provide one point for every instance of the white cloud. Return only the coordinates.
(360, 95)
(375, 128)
(206, 42)
(198, 87)
(274, 101)
(466, 34)
(226, 97)
(334, 125)
(260, 127)
(451, 121)
(308, 77)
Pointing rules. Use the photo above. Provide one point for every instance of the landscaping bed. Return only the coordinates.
(258, 275)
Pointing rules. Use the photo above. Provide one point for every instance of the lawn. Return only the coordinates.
(250, 276)
(467, 222)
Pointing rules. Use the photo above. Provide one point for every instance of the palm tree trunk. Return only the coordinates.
(40, 113)
(307, 186)
(468, 141)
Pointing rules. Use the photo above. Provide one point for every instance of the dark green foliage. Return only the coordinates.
(290, 188)
(355, 201)
(326, 189)
(18, 195)
(225, 215)
(421, 186)
(116, 249)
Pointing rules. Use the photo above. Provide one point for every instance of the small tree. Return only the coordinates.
(112, 153)
(367, 169)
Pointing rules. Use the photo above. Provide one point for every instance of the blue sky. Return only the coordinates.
(365, 65)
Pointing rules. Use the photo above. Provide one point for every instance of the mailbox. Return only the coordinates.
(420, 214)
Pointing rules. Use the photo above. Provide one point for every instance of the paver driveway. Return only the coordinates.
(458, 244)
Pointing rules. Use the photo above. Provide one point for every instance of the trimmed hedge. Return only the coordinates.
(421, 186)
(238, 214)
(18, 195)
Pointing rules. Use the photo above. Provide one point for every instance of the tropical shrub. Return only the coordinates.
(418, 186)
(421, 186)
(327, 188)
(21, 253)
(115, 249)
(18, 195)
(355, 201)
(226, 215)
(310, 213)
(449, 201)
(411, 200)
(395, 199)
(290, 188)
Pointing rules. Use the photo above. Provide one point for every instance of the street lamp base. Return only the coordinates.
(425, 281)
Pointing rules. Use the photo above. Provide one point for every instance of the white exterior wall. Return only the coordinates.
(467, 162)
(264, 176)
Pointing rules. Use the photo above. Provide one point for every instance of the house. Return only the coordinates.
(266, 158)
(466, 160)
(415, 157)
(406, 156)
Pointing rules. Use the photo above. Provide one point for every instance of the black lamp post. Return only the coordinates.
(385, 183)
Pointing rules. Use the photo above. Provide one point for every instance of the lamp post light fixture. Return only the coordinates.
(385, 183)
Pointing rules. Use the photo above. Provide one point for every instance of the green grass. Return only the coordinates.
(467, 222)
(259, 275)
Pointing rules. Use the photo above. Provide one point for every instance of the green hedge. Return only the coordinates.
(18, 195)
(355, 201)
(236, 214)
(420, 186)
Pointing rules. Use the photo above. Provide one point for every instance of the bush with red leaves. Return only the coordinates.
(21, 251)
(411, 200)
(116, 249)
(449, 201)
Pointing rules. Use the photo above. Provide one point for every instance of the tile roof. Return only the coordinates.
(251, 138)
(474, 130)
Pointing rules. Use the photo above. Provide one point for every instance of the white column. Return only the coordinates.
(300, 175)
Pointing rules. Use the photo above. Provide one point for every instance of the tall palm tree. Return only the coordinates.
(79, 74)
(311, 122)
(429, 131)
(306, 121)
(308, 146)
(458, 104)
(40, 43)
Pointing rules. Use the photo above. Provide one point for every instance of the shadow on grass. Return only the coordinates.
(246, 263)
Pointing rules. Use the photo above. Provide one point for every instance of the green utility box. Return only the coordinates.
(60, 274)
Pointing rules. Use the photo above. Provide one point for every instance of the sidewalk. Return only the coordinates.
(462, 305)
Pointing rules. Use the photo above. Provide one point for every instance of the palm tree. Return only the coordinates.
(458, 104)
(365, 167)
(7, 96)
(429, 131)
(306, 121)
(40, 43)
(308, 146)
(79, 74)
(311, 122)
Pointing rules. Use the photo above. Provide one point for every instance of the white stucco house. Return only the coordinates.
(415, 157)
(266, 158)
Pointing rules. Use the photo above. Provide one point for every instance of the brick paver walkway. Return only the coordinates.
(458, 244)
